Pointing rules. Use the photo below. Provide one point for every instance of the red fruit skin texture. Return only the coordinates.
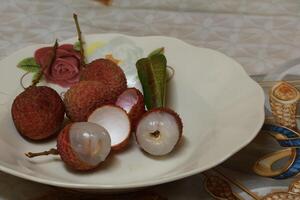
(38, 112)
(171, 112)
(67, 154)
(108, 72)
(137, 110)
(84, 97)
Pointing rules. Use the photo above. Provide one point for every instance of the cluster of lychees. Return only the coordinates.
(102, 112)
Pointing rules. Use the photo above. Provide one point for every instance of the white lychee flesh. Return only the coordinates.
(157, 133)
(116, 121)
(90, 142)
(127, 100)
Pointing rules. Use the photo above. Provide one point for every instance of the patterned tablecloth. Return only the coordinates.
(261, 35)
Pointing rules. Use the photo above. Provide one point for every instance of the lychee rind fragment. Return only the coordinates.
(132, 101)
(38, 112)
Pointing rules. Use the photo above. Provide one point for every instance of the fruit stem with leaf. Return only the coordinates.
(152, 72)
(160, 129)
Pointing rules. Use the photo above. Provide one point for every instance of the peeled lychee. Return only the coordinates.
(108, 72)
(116, 121)
(84, 97)
(38, 112)
(158, 131)
(81, 145)
(132, 101)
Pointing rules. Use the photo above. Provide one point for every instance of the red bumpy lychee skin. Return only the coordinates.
(84, 97)
(108, 72)
(66, 152)
(38, 112)
(132, 101)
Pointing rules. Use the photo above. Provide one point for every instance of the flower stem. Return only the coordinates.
(81, 42)
(40, 75)
(44, 153)
(22, 78)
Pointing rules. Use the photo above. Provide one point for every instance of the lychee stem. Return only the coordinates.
(44, 153)
(82, 64)
(40, 75)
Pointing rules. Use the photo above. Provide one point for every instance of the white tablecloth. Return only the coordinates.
(259, 34)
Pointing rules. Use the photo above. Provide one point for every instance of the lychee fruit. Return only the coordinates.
(132, 101)
(108, 72)
(158, 131)
(84, 97)
(81, 145)
(38, 112)
(116, 121)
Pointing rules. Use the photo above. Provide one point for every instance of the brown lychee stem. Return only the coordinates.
(44, 153)
(81, 42)
(40, 75)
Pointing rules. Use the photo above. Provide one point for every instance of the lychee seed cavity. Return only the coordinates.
(155, 134)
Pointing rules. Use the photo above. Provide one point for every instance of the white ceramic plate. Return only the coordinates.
(221, 108)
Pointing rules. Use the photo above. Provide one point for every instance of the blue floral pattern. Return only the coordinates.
(291, 140)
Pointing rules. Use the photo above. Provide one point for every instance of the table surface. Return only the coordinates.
(261, 35)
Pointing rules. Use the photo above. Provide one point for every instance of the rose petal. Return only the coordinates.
(64, 72)
(67, 47)
(65, 69)
(67, 50)
(42, 56)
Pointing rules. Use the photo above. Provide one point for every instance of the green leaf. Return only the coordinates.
(29, 65)
(152, 72)
(159, 63)
(160, 50)
(77, 46)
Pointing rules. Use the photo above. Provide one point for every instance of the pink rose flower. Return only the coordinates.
(65, 70)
